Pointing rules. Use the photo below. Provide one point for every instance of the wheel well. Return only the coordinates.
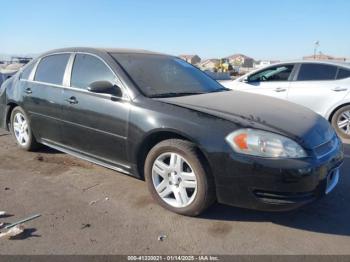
(11, 106)
(154, 139)
(335, 110)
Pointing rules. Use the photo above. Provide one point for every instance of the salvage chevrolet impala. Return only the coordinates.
(158, 118)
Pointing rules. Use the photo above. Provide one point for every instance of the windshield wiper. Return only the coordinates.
(174, 94)
(220, 90)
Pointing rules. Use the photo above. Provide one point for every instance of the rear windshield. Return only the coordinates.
(165, 76)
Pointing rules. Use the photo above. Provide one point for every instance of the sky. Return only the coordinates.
(268, 29)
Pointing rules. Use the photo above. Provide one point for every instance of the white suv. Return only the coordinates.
(321, 86)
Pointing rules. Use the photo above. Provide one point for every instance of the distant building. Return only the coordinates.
(21, 59)
(209, 64)
(192, 59)
(322, 56)
(241, 60)
(263, 63)
(15, 60)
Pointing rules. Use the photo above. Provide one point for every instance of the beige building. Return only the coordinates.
(241, 60)
(209, 64)
(322, 56)
(192, 59)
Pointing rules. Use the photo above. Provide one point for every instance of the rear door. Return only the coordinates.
(95, 124)
(316, 87)
(272, 81)
(42, 95)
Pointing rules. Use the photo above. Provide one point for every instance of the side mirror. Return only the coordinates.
(245, 80)
(105, 87)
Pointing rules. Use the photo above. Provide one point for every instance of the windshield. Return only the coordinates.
(165, 76)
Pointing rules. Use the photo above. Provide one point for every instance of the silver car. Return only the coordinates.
(321, 86)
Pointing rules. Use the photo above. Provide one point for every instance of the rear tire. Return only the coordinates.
(176, 175)
(341, 122)
(21, 130)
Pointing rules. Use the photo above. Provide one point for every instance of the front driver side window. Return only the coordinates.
(88, 69)
(276, 73)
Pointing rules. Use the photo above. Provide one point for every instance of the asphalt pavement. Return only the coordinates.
(87, 209)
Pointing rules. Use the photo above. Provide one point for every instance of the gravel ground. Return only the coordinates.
(87, 209)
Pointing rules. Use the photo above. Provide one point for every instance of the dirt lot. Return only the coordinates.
(88, 209)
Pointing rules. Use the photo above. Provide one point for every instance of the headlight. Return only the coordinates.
(264, 144)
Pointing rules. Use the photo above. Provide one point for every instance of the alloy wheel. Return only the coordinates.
(343, 122)
(21, 129)
(174, 180)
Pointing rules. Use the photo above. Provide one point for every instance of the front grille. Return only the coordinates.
(327, 147)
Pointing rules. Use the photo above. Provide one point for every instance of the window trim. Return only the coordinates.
(33, 74)
(67, 76)
(69, 71)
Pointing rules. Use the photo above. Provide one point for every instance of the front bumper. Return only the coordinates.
(275, 184)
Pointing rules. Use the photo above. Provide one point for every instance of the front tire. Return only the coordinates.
(341, 122)
(177, 178)
(21, 130)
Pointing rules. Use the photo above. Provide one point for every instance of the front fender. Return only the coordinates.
(206, 131)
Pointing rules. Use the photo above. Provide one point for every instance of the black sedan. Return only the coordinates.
(158, 118)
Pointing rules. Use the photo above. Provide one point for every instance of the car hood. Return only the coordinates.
(261, 112)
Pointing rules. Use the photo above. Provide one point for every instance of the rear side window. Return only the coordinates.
(343, 73)
(27, 71)
(51, 69)
(314, 72)
(88, 69)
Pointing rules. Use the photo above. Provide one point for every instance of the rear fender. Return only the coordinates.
(5, 106)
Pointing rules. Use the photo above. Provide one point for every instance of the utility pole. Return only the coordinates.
(316, 45)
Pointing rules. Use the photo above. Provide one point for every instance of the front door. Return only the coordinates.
(94, 124)
(273, 81)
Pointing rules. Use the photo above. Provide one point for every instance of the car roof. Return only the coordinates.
(328, 62)
(300, 61)
(101, 50)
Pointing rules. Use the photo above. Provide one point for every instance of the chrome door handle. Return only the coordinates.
(280, 89)
(339, 89)
(71, 100)
(28, 91)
